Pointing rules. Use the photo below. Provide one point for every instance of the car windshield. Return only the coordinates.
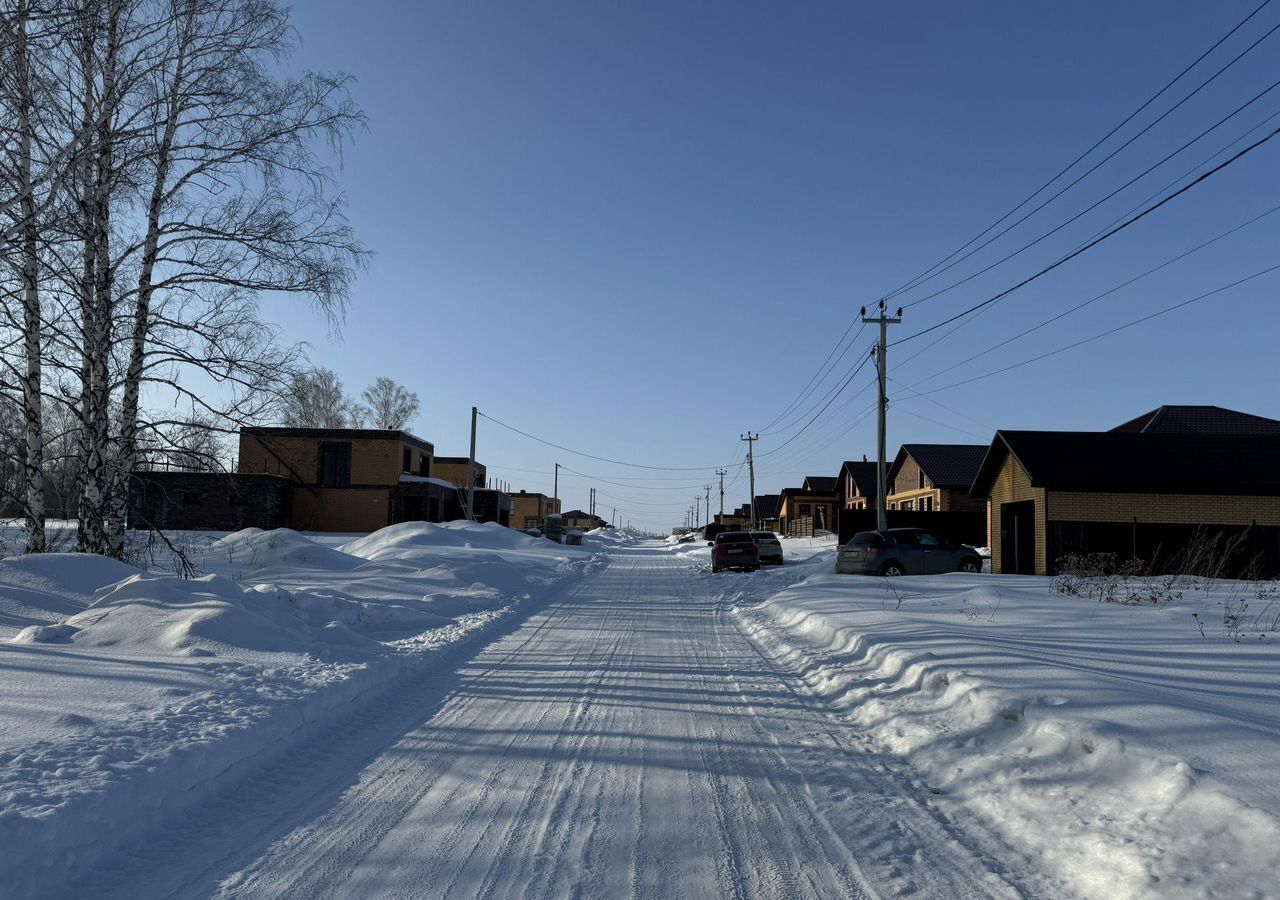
(764, 535)
(867, 539)
(734, 537)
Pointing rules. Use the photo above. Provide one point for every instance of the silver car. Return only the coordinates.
(904, 551)
(769, 546)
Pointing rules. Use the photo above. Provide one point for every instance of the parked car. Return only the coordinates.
(734, 550)
(553, 527)
(574, 537)
(904, 551)
(769, 547)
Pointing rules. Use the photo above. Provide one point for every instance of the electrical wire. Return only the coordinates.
(1096, 241)
(820, 374)
(1110, 331)
(1079, 306)
(931, 273)
(614, 462)
(807, 425)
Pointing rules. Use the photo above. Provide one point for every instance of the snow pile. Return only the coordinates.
(1133, 754)
(130, 696)
(45, 588)
(254, 548)
(167, 615)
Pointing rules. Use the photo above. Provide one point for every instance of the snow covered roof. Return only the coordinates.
(406, 478)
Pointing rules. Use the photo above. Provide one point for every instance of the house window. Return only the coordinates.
(908, 504)
(335, 465)
(805, 509)
(424, 465)
(928, 504)
(406, 456)
(920, 479)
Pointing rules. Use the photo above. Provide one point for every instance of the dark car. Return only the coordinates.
(904, 551)
(734, 550)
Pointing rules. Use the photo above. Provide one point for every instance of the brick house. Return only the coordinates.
(531, 510)
(803, 510)
(453, 469)
(856, 486)
(1135, 493)
(935, 477)
(766, 512)
(583, 521)
(351, 479)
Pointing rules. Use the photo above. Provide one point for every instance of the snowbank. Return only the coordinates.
(132, 696)
(1133, 754)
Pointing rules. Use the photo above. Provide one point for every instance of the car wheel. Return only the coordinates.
(892, 569)
(971, 566)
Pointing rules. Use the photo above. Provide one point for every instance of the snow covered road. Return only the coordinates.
(625, 740)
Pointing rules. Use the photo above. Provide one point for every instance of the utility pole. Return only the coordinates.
(555, 490)
(721, 473)
(882, 358)
(751, 468)
(471, 470)
(708, 488)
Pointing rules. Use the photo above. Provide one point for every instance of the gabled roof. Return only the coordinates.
(864, 476)
(1128, 462)
(821, 484)
(1199, 420)
(767, 506)
(945, 465)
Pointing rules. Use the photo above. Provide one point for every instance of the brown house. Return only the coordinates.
(531, 510)
(1135, 494)
(350, 479)
(767, 512)
(801, 511)
(935, 477)
(453, 469)
(856, 486)
(583, 521)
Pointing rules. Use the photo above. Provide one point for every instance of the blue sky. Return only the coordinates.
(638, 229)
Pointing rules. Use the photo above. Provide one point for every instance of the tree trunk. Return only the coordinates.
(33, 463)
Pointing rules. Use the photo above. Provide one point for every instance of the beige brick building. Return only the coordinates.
(350, 479)
(531, 510)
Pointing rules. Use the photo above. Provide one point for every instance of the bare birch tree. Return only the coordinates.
(391, 406)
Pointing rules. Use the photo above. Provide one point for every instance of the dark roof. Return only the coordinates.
(340, 434)
(802, 492)
(822, 484)
(1127, 462)
(580, 514)
(1199, 420)
(864, 476)
(945, 465)
(767, 506)
(458, 460)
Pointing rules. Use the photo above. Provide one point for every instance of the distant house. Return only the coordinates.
(935, 477)
(802, 512)
(531, 510)
(856, 486)
(350, 479)
(583, 521)
(766, 511)
(453, 469)
(1143, 491)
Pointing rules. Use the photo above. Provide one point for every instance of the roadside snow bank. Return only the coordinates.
(1134, 755)
(130, 697)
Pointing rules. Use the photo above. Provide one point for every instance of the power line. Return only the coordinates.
(614, 462)
(1110, 331)
(808, 424)
(930, 273)
(820, 374)
(1098, 240)
(1095, 299)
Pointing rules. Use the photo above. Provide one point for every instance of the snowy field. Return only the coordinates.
(126, 691)
(1132, 749)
